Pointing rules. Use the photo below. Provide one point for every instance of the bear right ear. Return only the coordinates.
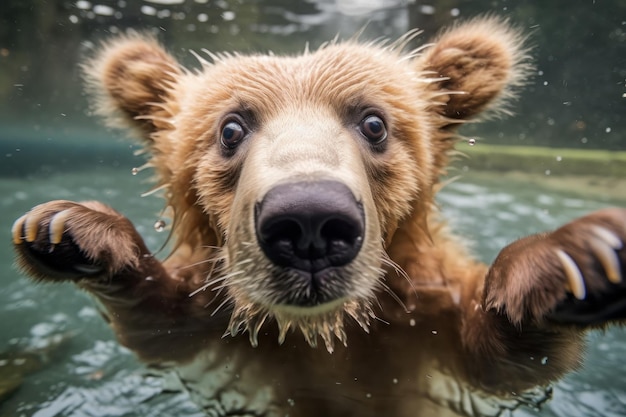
(132, 79)
(477, 66)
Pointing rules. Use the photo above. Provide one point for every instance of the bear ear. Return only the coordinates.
(132, 79)
(476, 65)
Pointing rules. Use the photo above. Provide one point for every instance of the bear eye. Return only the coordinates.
(373, 128)
(232, 134)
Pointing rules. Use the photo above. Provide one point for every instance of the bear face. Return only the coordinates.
(357, 134)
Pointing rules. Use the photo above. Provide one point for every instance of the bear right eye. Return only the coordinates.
(232, 134)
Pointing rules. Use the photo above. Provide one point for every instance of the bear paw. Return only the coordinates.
(62, 240)
(574, 275)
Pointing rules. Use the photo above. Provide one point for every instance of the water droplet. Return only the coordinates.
(607, 130)
(291, 402)
(471, 142)
(134, 171)
(159, 225)
(545, 83)
(433, 331)
(412, 322)
(544, 360)
(559, 158)
(368, 395)
(547, 172)
(395, 380)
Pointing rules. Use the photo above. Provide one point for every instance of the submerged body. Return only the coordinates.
(311, 274)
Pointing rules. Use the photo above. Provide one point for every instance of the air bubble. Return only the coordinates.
(412, 322)
(159, 225)
(471, 142)
(134, 171)
(559, 158)
(548, 172)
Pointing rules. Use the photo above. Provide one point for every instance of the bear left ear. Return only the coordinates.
(133, 79)
(477, 66)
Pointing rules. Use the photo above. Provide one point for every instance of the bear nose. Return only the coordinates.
(310, 226)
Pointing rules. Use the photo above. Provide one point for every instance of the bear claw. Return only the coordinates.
(57, 226)
(31, 225)
(17, 230)
(575, 281)
(604, 247)
(609, 237)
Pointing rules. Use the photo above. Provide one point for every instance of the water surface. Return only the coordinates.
(91, 375)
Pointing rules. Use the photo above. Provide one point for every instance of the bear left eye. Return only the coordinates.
(373, 128)
(232, 134)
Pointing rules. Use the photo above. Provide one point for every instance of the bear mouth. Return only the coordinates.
(306, 289)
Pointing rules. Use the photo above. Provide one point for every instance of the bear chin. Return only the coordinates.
(325, 320)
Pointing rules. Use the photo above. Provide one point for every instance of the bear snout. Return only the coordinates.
(310, 228)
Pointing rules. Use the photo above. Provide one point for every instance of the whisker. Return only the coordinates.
(394, 296)
(222, 304)
(214, 281)
(401, 272)
(204, 261)
(375, 317)
(211, 247)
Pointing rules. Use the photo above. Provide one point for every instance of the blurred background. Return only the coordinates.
(58, 358)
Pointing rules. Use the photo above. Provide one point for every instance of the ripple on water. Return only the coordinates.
(99, 378)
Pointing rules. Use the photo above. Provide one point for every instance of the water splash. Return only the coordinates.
(159, 225)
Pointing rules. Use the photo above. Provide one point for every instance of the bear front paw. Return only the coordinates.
(574, 275)
(63, 240)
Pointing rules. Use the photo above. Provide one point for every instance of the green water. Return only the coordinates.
(51, 149)
(91, 375)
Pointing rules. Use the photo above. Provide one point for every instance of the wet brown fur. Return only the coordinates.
(486, 330)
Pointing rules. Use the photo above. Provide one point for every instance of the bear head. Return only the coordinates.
(299, 171)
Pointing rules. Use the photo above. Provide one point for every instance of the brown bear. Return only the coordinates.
(302, 194)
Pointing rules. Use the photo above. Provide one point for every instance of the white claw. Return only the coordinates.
(57, 226)
(16, 230)
(31, 226)
(573, 275)
(609, 260)
(609, 237)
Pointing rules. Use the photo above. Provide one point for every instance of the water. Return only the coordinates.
(51, 149)
(92, 375)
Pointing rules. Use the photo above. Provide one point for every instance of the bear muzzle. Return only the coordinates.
(311, 229)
